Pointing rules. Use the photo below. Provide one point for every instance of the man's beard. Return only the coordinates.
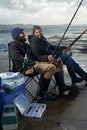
(22, 40)
(41, 36)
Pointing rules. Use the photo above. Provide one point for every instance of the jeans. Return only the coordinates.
(68, 61)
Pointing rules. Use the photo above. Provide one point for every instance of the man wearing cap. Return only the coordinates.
(42, 48)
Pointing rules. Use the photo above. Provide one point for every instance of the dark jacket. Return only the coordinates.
(17, 53)
(42, 48)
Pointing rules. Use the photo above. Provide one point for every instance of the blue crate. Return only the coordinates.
(0, 97)
(1, 102)
(9, 98)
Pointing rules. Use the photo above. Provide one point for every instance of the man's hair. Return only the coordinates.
(35, 27)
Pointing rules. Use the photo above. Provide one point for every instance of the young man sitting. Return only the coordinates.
(42, 49)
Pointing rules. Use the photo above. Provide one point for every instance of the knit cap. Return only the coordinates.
(15, 32)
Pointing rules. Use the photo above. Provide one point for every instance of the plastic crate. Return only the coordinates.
(9, 118)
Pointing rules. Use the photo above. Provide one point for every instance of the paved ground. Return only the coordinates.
(65, 113)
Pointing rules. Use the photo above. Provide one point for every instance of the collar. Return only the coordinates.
(18, 42)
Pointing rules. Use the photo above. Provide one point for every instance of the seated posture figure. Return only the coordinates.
(42, 48)
(19, 48)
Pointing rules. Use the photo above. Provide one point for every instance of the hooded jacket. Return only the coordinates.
(42, 48)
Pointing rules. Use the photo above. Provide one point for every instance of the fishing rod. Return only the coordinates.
(57, 62)
(77, 38)
(53, 54)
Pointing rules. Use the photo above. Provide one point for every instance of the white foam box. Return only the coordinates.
(28, 109)
(9, 118)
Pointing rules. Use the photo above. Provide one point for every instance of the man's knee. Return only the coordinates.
(50, 71)
(52, 68)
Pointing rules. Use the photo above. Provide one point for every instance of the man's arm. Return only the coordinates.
(16, 56)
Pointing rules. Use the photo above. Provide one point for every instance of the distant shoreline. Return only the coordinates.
(43, 24)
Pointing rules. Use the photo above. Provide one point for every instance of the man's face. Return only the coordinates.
(22, 36)
(38, 33)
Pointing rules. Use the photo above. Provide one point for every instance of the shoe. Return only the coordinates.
(39, 99)
(73, 75)
(85, 78)
(68, 89)
(77, 80)
(74, 92)
(47, 96)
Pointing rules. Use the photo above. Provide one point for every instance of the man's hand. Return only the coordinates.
(36, 62)
(51, 58)
(56, 62)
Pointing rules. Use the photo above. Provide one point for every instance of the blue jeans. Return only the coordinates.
(68, 61)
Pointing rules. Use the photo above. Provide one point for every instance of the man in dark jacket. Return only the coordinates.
(42, 48)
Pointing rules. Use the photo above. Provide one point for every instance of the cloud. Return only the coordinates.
(40, 11)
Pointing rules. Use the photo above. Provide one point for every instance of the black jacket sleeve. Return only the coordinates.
(16, 56)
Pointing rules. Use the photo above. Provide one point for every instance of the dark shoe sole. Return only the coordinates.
(74, 92)
(77, 81)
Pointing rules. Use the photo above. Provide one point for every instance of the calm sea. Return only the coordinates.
(48, 31)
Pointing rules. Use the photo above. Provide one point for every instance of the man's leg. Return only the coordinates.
(80, 71)
(71, 67)
(47, 71)
(59, 77)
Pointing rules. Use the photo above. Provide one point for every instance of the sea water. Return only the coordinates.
(48, 31)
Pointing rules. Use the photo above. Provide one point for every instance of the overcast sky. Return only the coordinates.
(42, 11)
